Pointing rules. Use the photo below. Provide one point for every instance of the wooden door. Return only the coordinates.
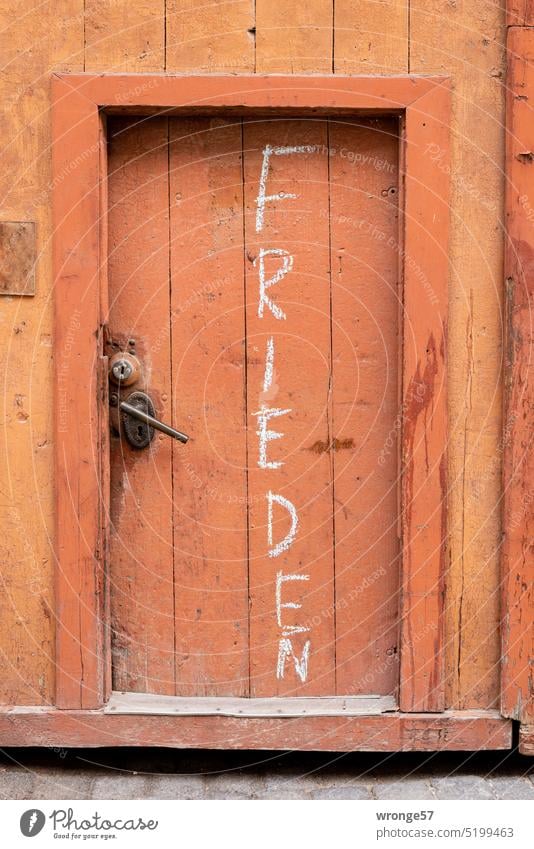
(253, 271)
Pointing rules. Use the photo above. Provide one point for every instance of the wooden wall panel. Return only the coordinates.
(520, 13)
(207, 337)
(124, 35)
(450, 38)
(365, 329)
(34, 39)
(371, 37)
(208, 37)
(518, 550)
(297, 402)
(223, 37)
(296, 39)
(141, 538)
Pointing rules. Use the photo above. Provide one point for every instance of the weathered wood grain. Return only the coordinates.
(517, 699)
(424, 520)
(453, 730)
(34, 39)
(371, 37)
(124, 36)
(208, 375)
(520, 13)
(366, 292)
(78, 401)
(526, 740)
(294, 41)
(141, 571)
(450, 38)
(210, 37)
(140, 703)
(301, 389)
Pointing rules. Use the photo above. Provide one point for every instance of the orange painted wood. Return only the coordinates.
(141, 545)
(425, 103)
(364, 43)
(518, 556)
(519, 13)
(124, 35)
(153, 91)
(526, 739)
(301, 42)
(27, 490)
(366, 293)
(78, 402)
(210, 37)
(475, 339)
(424, 404)
(453, 730)
(292, 468)
(208, 377)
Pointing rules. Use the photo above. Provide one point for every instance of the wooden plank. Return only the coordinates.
(210, 37)
(371, 38)
(517, 698)
(366, 292)
(475, 333)
(78, 405)
(30, 49)
(212, 93)
(297, 43)
(142, 704)
(520, 13)
(424, 405)
(124, 35)
(141, 545)
(292, 637)
(208, 333)
(526, 739)
(450, 731)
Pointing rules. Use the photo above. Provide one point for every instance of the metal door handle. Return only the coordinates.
(140, 407)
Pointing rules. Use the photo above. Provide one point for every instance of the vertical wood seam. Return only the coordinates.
(333, 66)
(171, 383)
(84, 37)
(409, 35)
(330, 406)
(245, 397)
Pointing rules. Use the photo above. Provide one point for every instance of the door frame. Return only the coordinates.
(80, 103)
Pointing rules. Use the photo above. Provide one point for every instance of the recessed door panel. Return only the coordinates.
(254, 275)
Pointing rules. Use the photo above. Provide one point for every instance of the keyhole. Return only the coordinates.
(140, 431)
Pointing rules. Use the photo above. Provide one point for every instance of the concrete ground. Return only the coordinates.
(173, 774)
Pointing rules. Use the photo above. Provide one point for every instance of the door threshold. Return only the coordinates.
(151, 704)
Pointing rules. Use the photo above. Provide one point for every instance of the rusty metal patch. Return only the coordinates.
(17, 257)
